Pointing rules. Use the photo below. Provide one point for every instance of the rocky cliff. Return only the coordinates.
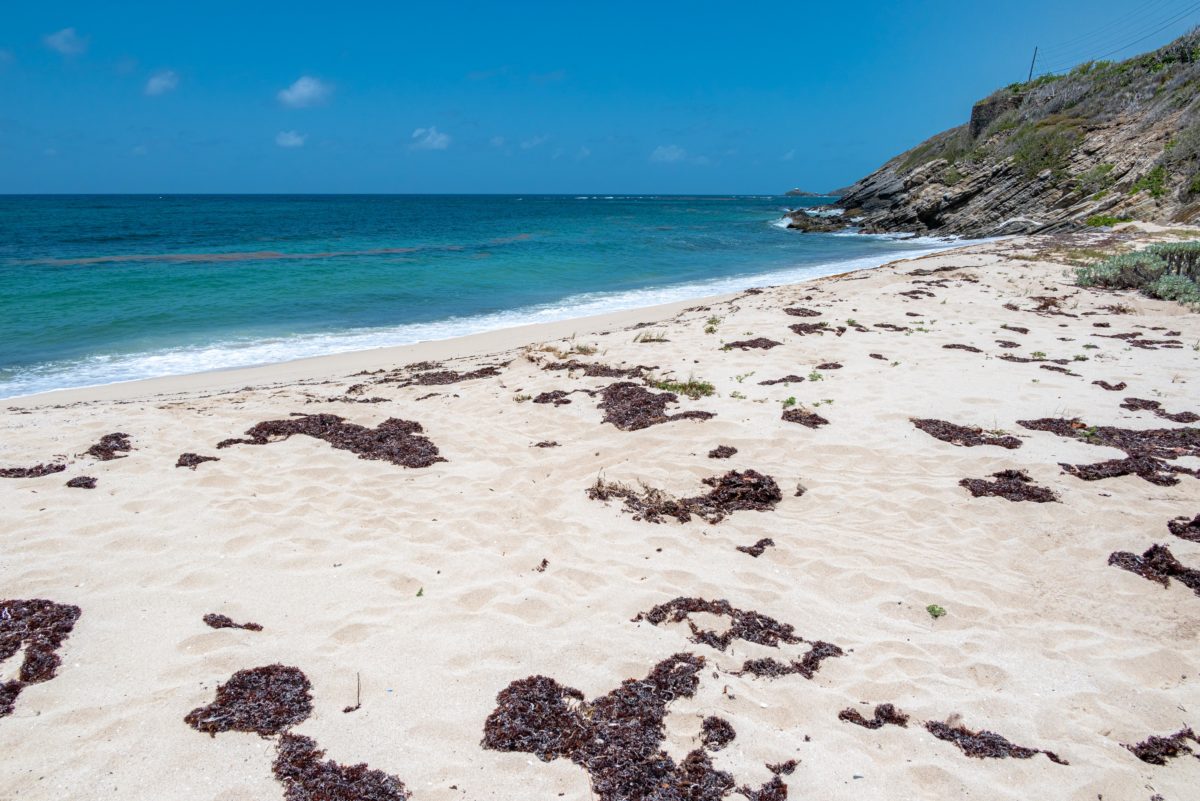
(1109, 140)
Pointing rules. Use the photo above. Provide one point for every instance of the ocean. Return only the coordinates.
(102, 288)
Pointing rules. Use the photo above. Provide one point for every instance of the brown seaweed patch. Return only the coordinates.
(1143, 405)
(893, 327)
(558, 397)
(616, 738)
(82, 482)
(593, 370)
(1015, 328)
(547, 443)
(734, 491)
(1111, 387)
(437, 378)
(1013, 485)
(1157, 750)
(216, 621)
(756, 550)
(745, 625)
(40, 626)
(299, 766)
(1058, 369)
(397, 441)
(631, 407)
(787, 379)
(807, 666)
(958, 346)
(804, 417)
(1145, 448)
(799, 311)
(1157, 564)
(1007, 343)
(879, 356)
(884, 714)
(1185, 529)
(829, 366)
(266, 700)
(110, 446)
(966, 436)
(985, 744)
(716, 733)
(722, 452)
(804, 329)
(192, 460)
(36, 471)
(760, 343)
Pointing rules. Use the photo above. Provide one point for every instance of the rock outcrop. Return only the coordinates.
(1106, 142)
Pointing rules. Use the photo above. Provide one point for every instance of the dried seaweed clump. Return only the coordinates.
(1185, 529)
(439, 378)
(1110, 387)
(807, 666)
(1143, 405)
(722, 452)
(1014, 485)
(957, 346)
(616, 738)
(1146, 449)
(110, 446)
(734, 491)
(804, 329)
(191, 460)
(1157, 564)
(761, 343)
(40, 626)
(805, 417)
(82, 482)
(716, 733)
(797, 311)
(394, 440)
(966, 436)
(756, 550)
(631, 407)
(787, 379)
(1016, 328)
(37, 471)
(596, 370)
(299, 766)
(1157, 750)
(558, 397)
(266, 700)
(216, 621)
(884, 714)
(985, 744)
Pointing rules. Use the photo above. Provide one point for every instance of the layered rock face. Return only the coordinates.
(1107, 141)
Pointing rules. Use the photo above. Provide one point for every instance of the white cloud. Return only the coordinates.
(788, 156)
(534, 141)
(668, 154)
(162, 82)
(429, 139)
(497, 141)
(290, 139)
(305, 91)
(67, 42)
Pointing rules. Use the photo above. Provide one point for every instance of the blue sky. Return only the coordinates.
(527, 97)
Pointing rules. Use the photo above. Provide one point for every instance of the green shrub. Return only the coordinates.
(1175, 287)
(1101, 220)
(1168, 271)
(1154, 182)
(1097, 179)
(1046, 144)
(1126, 271)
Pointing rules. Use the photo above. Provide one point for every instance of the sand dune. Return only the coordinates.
(439, 586)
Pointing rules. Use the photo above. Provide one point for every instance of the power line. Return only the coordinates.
(1142, 33)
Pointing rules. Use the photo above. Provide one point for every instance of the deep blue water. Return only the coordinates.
(96, 289)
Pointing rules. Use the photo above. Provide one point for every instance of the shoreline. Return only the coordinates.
(437, 349)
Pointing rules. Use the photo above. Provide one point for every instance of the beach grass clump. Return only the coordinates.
(1105, 220)
(692, 388)
(1167, 271)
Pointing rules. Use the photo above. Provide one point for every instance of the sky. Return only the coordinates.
(514, 97)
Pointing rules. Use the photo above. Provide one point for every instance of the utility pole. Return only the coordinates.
(1031, 63)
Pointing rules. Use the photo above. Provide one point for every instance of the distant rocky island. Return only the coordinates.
(1104, 143)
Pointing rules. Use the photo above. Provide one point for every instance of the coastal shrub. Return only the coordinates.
(1168, 271)
(1126, 271)
(1046, 144)
(1175, 287)
(1096, 180)
(1154, 182)
(1101, 220)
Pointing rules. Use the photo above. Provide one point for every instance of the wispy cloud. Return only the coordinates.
(290, 139)
(67, 42)
(162, 82)
(305, 91)
(497, 141)
(534, 141)
(668, 154)
(788, 156)
(584, 152)
(139, 150)
(548, 77)
(429, 139)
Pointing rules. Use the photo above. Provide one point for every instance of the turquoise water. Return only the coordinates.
(97, 289)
